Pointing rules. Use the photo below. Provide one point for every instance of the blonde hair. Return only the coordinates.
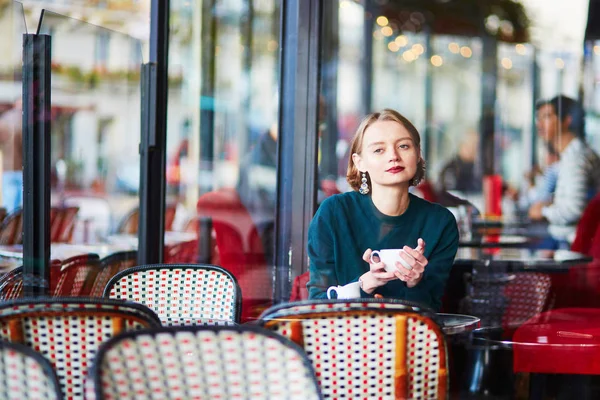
(353, 175)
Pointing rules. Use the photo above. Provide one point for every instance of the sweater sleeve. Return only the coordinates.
(321, 253)
(571, 193)
(440, 263)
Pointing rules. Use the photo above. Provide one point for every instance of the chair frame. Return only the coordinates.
(14, 313)
(96, 377)
(13, 224)
(40, 360)
(319, 305)
(107, 263)
(316, 309)
(158, 267)
(74, 304)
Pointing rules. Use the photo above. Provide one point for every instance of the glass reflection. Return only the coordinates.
(222, 137)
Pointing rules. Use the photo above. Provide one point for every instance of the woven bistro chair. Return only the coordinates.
(26, 374)
(77, 275)
(181, 294)
(11, 283)
(109, 267)
(369, 349)
(11, 228)
(308, 306)
(71, 278)
(241, 362)
(68, 331)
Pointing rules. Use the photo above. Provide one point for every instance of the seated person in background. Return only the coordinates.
(541, 183)
(380, 213)
(560, 122)
(459, 173)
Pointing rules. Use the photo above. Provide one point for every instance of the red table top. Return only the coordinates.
(561, 341)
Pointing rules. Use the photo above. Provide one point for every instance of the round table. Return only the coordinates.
(453, 324)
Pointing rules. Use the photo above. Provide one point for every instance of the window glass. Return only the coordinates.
(95, 136)
(12, 28)
(222, 138)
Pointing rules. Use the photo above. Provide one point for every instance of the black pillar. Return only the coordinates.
(329, 136)
(367, 58)
(36, 164)
(155, 89)
(489, 78)
(207, 89)
(297, 144)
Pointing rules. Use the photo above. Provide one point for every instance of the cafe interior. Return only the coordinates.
(162, 162)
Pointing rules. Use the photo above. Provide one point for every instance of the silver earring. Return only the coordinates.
(364, 187)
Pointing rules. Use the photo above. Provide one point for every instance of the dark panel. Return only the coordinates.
(329, 84)
(489, 78)
(297, 154)
(36, 164)
(592, 30)
(367, 59)
(153, 138)
(207, 90)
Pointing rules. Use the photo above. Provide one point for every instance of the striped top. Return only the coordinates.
(578, 180)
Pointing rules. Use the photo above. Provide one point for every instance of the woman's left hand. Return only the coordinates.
(418, 262)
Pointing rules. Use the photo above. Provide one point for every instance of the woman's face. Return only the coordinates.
(388, 154)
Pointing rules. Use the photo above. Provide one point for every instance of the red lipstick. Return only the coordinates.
(395, 170)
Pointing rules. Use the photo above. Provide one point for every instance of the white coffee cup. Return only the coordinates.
(389, 258)
(349, 291)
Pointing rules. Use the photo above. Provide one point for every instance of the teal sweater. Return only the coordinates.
(346, 225)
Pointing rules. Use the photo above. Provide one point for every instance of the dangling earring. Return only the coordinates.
(364, 187)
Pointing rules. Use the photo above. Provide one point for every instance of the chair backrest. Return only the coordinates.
(506, 299)
(170, 213)
(310, 306)
(180, 293)
(299, 289)
(588, 225)
(374, 351)
(527, 296)
(68, 332)
(11, 284)
(243, 362)
(181, 252)
(11, 229)
(109, 267)
(62, 224)
(129, 223)
(3, 214)
(238, 252)
(26, 374)
(77, 275)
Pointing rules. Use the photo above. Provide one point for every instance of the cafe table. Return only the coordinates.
(62, 251)
(521, 259)
(493, 241)
(558, 350)
(171, 238)
(454, 324)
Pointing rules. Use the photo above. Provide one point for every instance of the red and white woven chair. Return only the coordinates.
(369, 349)
(68, 331)
(309, 306)
(109, 267)
(26, 374)
(240, 362)
(181, 294)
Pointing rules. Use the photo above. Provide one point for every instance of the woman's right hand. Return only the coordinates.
(377, 275)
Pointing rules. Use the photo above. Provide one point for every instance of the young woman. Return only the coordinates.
(380, 213)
